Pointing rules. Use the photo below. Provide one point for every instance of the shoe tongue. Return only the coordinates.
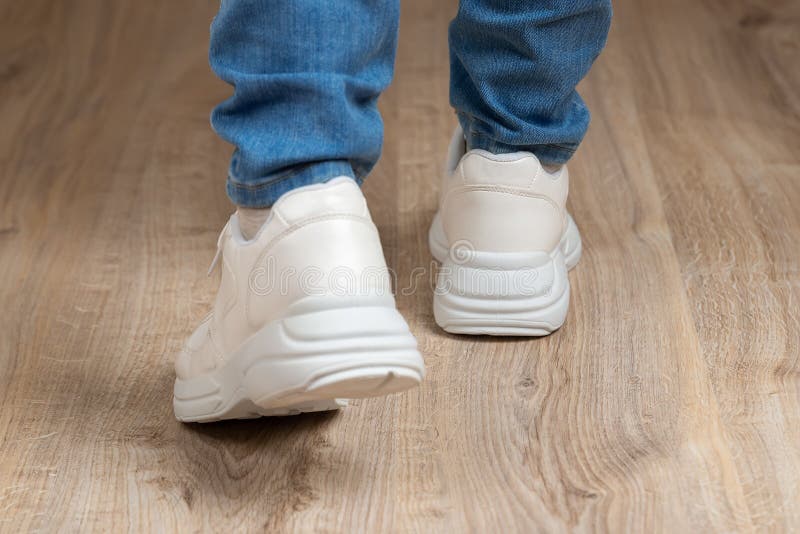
(340, 195)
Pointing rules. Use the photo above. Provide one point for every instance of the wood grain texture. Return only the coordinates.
(669, 401)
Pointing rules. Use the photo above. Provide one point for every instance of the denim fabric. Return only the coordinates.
(513, 71)
(307, 75)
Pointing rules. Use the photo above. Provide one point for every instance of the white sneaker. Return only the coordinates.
(505, 241)
(304, 315)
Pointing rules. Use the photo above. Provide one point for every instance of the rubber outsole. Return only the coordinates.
(503, 294)
(305, 363)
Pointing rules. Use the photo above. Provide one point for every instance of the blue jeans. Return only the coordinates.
(308, 73)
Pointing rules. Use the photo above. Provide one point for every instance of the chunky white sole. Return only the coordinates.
(502, 294)
(304, 362)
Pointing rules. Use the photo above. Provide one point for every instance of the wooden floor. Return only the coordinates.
(669, 401)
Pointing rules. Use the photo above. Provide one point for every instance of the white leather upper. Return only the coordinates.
(501, 202)
(318, 243)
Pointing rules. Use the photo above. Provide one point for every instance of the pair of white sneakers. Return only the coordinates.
(305, 315)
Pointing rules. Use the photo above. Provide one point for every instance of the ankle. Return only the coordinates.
(552, 168)
(251, 220)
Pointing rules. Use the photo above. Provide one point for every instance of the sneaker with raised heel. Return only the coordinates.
(304, 315)
(505, 242)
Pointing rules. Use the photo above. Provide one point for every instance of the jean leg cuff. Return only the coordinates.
(547, 153)
(264, 192)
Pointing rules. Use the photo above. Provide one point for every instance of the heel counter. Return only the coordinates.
(340, 195)
(505, 203)
(492, 219)
(348, 246)
(337, 257)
